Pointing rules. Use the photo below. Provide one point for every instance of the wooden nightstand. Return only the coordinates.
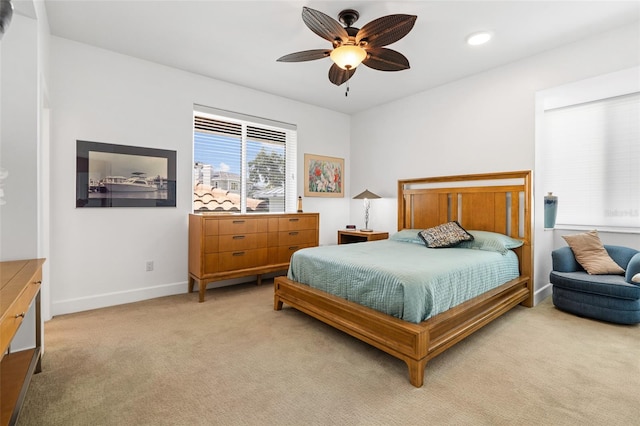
(346, 236)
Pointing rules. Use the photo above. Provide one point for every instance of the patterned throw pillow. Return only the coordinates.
(448, 234)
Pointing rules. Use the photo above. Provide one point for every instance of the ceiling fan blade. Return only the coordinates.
(386, 30)
(383, 59)
(338, 75)
(324, 25)
(305, 55)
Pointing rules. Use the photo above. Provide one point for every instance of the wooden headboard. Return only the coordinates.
(497, 202)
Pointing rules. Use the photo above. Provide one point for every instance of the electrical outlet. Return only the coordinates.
(149, 265)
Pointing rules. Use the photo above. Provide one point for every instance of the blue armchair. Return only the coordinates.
(612, 298)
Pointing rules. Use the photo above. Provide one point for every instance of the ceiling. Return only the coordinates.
(239, 41)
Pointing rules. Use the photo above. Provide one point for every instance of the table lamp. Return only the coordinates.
(366, 196)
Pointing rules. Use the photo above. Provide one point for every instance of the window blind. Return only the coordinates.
(592, 162)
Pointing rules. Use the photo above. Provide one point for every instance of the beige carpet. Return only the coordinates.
(233, 360)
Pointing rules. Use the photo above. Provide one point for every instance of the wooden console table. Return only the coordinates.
(21, 281)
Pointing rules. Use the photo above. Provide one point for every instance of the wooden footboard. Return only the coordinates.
(415, 344)
(404, 340)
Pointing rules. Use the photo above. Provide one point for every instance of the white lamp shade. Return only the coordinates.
(348, 57)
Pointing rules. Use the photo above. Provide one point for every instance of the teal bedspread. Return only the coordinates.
(406, 280)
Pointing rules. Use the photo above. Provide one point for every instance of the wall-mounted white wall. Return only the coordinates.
(23, 80)
(98, 255)
(479, 124)
(19, 139)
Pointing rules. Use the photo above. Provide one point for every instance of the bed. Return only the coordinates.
(492, 202)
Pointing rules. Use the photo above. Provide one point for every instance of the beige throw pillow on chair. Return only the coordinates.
(591, 254)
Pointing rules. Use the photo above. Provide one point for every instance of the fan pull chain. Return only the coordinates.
(346, 92)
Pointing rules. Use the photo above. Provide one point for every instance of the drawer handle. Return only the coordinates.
(20, 315)
(293, 248)
(238, 253)
(293, 233)
(294, 219)
(238, 221)
(238, 237)
(38, 282)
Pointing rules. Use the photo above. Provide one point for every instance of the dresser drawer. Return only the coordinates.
(242, 225)
(242, 241)
(283, 254)
(210, 227)
(304, 236)
(211, 244)
(297, 223)
(210, 263)
(242, 259)
(15, 314)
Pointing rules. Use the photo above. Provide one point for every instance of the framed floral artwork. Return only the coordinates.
(323, 176)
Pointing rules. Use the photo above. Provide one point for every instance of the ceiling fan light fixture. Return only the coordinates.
(352, 46)
(348, 57)
(476, 39)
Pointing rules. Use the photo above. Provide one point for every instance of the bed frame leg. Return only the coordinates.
(277, 304)
(416, 371)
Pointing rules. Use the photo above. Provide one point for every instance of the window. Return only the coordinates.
(243, 164)
(590, 160)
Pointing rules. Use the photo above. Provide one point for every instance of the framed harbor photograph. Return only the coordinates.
(109, 175)
(323, 176)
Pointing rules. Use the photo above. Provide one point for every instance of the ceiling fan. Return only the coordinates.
(6, 12)
(353, 46)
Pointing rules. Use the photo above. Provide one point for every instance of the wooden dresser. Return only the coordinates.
(223, 246)
(21, 281)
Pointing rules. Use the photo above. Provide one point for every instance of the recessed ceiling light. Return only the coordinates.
(477, 39)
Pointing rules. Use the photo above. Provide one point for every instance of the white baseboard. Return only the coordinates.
(119, 298)
(541, 294)
(98, 301)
